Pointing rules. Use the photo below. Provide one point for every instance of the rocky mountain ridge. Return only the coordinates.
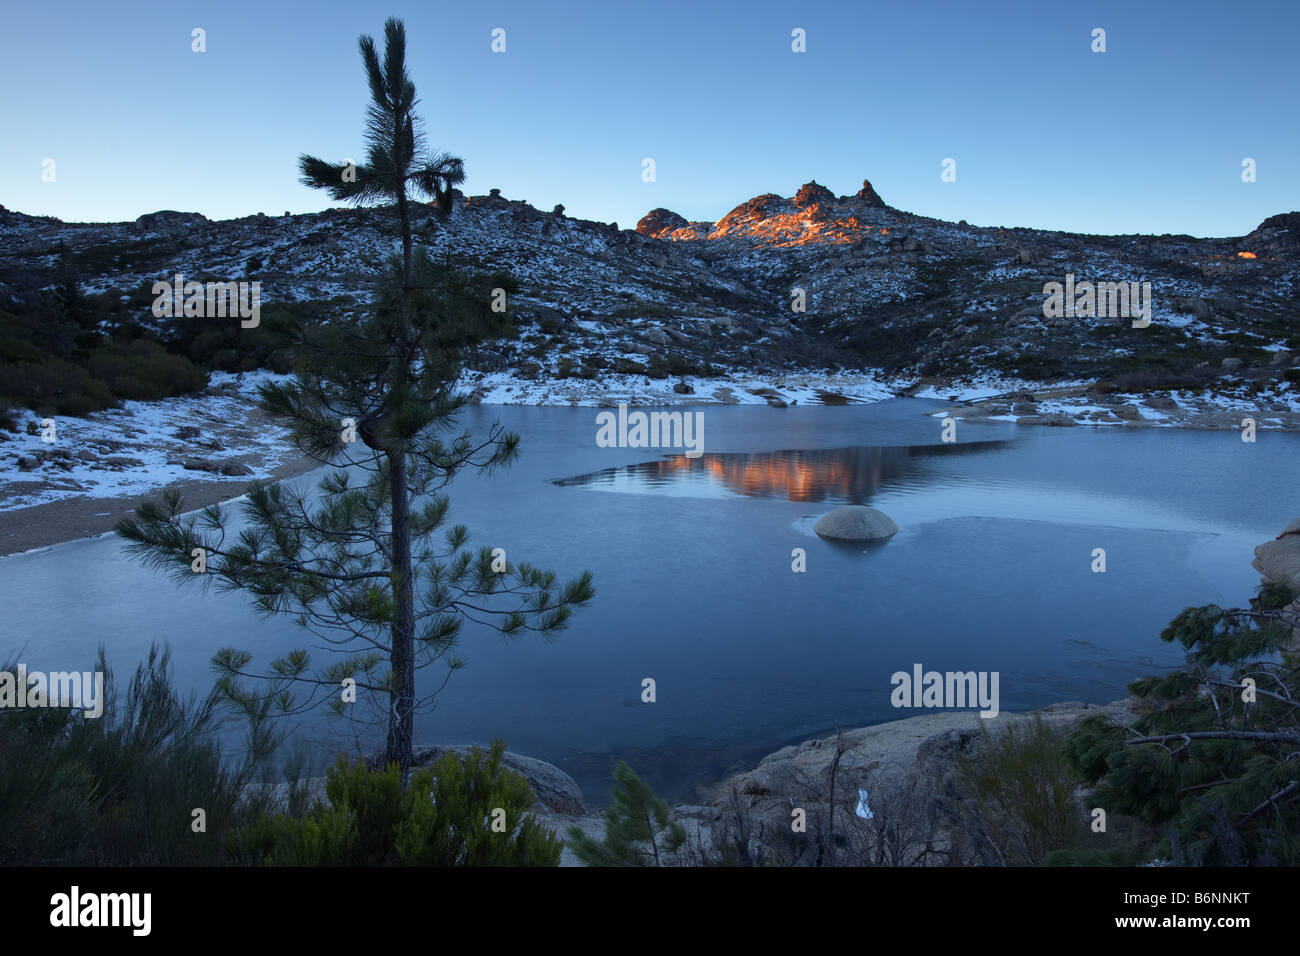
(863, 299)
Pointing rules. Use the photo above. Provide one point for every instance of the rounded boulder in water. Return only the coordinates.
(855, 523)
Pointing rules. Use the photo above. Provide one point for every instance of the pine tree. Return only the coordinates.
(359, 568)
(396, 158)
(638, 831)
(1213, 761)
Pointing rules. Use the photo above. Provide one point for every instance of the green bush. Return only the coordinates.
(65, 353)
(1163, 379)
(459, 812)
(1022, 784)
(144, 371)
(281, 361)
(55, 386)
(119, 789)
(679, 365)
(627, 366)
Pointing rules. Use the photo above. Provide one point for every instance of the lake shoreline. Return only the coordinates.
(51, 523)
(877, 759)
(45, 524)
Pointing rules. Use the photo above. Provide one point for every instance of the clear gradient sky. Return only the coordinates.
(1147, 137)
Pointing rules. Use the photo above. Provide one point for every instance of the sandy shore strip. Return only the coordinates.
(43, 525)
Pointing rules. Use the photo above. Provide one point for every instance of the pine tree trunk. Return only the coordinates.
(401, 719)
(404, 213)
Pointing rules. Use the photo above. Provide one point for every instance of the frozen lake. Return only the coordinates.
(991, 571)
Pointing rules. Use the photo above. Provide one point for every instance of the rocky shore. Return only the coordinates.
(882, 761)
(875, 760)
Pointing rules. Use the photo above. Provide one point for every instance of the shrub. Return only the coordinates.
(469, 811)
(281, 361)
(79, 404)
(550, 323)
(1160, 379)
(56, 386)
(1021, 783)
(477, 816)
(120, 789)
(144, 370)
(679, 365)
(644, 309)
(56, 354)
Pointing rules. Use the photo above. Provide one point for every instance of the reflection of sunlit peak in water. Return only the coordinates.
(835, 474)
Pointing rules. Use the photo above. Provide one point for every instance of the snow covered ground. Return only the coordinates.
(503, 388)
(135, 449)
(139, 448)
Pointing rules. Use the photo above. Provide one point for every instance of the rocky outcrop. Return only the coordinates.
(1279, 560)
(908, 244)
(884, 759)
(1193, 306)
(868, 195)
(813, 192)
(1276, 235)
(658, 222)
(1056, 419)
(750, 211)
(170, 221)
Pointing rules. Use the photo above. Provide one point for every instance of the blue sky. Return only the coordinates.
(1147, 137)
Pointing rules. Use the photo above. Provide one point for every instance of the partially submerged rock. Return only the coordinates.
(855, 523)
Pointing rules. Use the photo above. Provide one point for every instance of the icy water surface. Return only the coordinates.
(991, 571)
